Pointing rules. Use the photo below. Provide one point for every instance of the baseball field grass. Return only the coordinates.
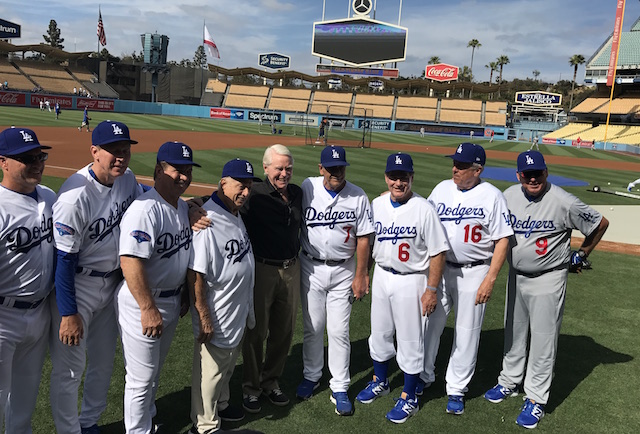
(596, 381)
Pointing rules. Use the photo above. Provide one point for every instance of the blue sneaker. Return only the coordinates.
(374, 389)
(403, 410)
(343, 405)
(306, 388)
(498, 393)
(531, 414)
(455, 404)
(420, 386)
(93, 429)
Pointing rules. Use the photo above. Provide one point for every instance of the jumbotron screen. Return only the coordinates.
(359, 42)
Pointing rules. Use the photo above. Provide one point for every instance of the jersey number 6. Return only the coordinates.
(403, 252)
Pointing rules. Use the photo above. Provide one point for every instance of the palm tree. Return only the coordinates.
(575, 61)
(536, 74)
(501, 61)
(474, 43)
(433, 60)
(493, 67)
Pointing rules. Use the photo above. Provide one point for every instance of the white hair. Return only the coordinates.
(278, 149)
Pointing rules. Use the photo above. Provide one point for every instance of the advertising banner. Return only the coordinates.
(13, 98)
(9, 30)
(441, 72)
(538, 98)
(349, 70)
(615, 42)
(265, 116)
(105, 105)
(377, 125)
(66, 102)
(274, 60)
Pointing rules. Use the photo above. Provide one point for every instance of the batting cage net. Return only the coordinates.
(344, 130)
(274, 122)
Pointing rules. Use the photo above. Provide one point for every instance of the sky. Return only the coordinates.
(535, 34)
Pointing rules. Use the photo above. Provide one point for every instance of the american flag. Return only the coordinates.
(102, 38)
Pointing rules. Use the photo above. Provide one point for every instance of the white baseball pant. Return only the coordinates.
(143, 358)
(324, 294)
(396, 308)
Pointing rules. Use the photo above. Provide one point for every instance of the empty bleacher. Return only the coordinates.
(497, 119)
(294, 100)
(495, 107)
(377, 106)
(15, 80)
(463, 111)
(216, 86)
(334, 103)
(624, 134)
(50, 77)
(244, 96)
(416, 108)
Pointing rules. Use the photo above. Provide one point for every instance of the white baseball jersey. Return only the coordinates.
(26, 237)
(542, 227)
(473, 219)
(223, 254)
(87, 215)
(152, 229)
(331, 224)
(408, 235)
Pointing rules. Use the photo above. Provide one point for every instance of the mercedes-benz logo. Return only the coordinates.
(361, 7)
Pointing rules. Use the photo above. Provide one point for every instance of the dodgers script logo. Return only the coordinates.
(394, 233)
(459, 213)
(329, 218)
(23, 239)
(141, 236)
(238, 248)
(532, 226)
(101, 227)
(170, 244)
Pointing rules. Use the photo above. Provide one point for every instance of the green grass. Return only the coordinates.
(596, 371)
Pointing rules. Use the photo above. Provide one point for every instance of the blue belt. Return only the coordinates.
(170, 292)
(402, 273)
(468, 265)
(94, 273)
(23, 304)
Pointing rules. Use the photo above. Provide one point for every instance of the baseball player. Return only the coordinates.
(534, 142)
(26, 273)
(337, 224)
(409, 251)
(86, 216)
(542, 217)
(476, 220)
(633, 184)
(220, 281)
(155, 250)
(57, 110)
(85, 120)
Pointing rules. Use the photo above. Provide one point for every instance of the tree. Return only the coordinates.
(493, 67)
(433, 60)
(474, 43)
(575, 61)
(464, 74)
(53, 37)
(536, 74)
(501, 61)
(200, 58)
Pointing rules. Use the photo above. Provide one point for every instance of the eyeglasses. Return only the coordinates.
(30, 159)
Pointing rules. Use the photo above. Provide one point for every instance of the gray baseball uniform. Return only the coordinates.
(537, 283)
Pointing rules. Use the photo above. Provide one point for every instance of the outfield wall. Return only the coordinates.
(27, 99)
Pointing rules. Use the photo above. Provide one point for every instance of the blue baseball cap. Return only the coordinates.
(109, 132)
(15, 141)
(399, 163)
(531, 160)
(469, 153)
(176, 153)
(238, 169)
(332, 156)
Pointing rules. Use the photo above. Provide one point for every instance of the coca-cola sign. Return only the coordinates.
(12, 98)
(441, 72)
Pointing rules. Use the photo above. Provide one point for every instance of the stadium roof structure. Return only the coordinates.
(395, 84)
(47, 50)
(628, 66)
